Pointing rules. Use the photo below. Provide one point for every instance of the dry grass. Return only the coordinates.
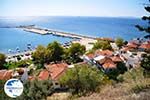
(134, 87)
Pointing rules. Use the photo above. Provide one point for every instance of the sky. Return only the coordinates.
(109, 8)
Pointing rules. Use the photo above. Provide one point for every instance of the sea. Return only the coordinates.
(111, 27)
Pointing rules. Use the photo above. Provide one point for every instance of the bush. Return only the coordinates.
(22, 63)
(2, 61)
(82, 79)
(74, 52)
(145, 63)
(36, 90)
(114, 73)
(101, 44)
(119, 42)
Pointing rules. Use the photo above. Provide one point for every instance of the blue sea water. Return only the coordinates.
(11, 38)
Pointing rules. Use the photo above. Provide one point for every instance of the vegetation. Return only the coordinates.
(36, 90)
(55, 52)
(136, 80)
(119, 42)
(146, 18)
(2, 61)
(74, 52)
(101, 44)
(134, 86)
(2, 93)
(145, 63)
(83, 79)
(113, 74)
(22, 63)
(39, 56)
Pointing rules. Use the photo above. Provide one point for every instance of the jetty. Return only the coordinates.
(76, 38)
(44, 31)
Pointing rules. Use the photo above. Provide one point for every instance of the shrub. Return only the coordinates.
(82, 79)
(145, 63)
(101, 44)
(119, 42)
(114, 73)
(2, 60)
(36, 90)
(74, 52)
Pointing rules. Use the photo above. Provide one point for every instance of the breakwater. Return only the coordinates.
(44, 31)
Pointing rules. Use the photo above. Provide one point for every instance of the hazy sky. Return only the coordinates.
(125, 8)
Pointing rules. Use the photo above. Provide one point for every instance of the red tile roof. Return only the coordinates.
(104, 52)
(108, 65)
(5, 74)
(116, 59)
(145, 46)
(56, 70)
(132, 45)
(44, 75)
(127, 49)
(90, 56)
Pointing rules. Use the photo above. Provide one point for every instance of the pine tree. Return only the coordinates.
(145, 18)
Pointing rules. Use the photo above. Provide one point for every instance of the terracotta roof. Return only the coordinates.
(104, 52)
(5, 74)
(145, 46)
(127, 49)
(109, 65)
(116, 59)
(132, 45)
(90, 56)
(56, 70)
(44, 75)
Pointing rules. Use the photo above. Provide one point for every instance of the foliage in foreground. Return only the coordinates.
(2, 60)
(36, 90)
(83, 79)
(147, 19)
(114, 73)
(135, 80)
(145, 63)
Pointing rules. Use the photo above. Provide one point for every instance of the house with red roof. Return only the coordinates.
(5, 74)
(56, 70)
(44, 75)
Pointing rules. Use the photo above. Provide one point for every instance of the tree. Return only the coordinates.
(101, 44)
(39, 56)
(2, 60)
(145, 63)
(82, 79)
(145, 18)
(113, 74)
(74, 52)
(55, 51)
(119, 42)
(37, 90)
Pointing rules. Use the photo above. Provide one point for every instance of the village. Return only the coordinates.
(130, 54)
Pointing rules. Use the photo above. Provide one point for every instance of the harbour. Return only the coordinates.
(44, 31)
